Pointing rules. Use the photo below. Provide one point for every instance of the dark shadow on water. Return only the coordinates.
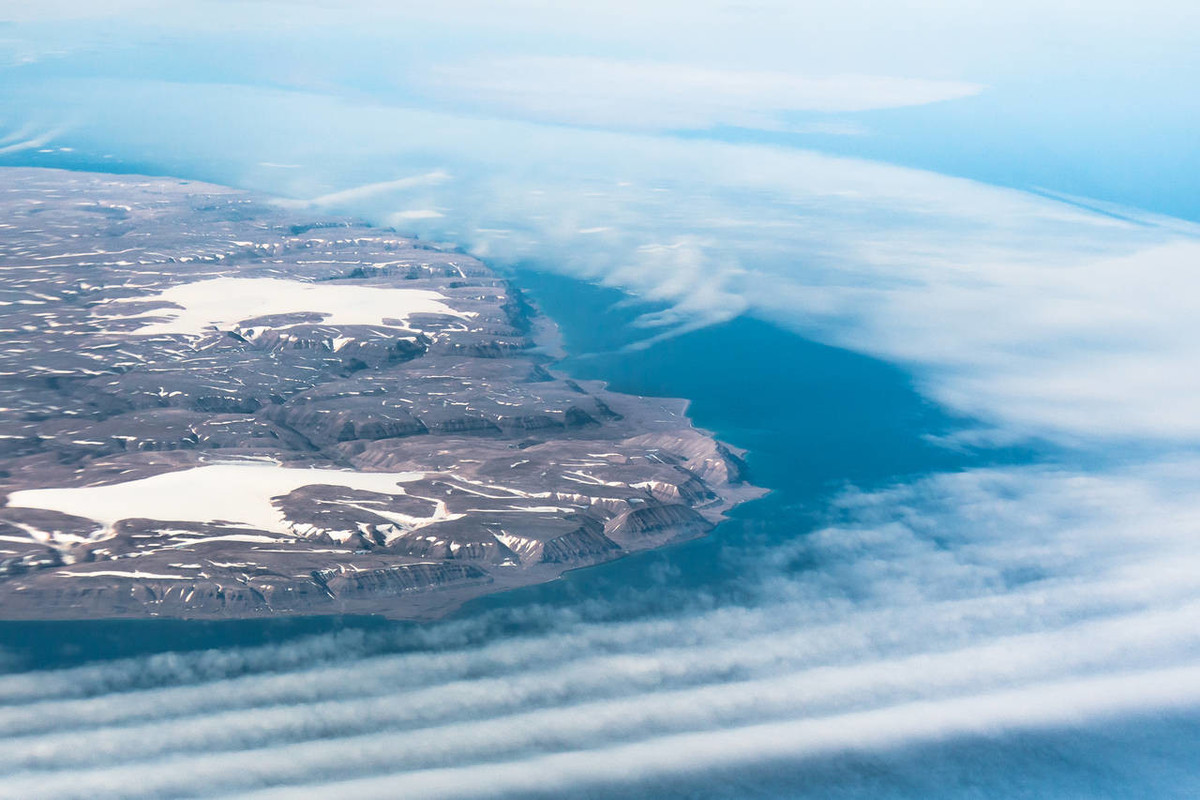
(813, 418)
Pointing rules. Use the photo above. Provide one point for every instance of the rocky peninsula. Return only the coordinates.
(214, 406)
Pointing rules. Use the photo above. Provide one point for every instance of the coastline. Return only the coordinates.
(651, 422)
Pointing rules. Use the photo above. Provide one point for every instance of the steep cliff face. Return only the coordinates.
(579, 546)
(398, 579)
(654, 520)
(216, 409)
(712, 462)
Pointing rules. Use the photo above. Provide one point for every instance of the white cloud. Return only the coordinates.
(1035, 315)
(64, 10)
(358, 194)
(401, 217)
(25, 138)
(647, 95)
(923, 38)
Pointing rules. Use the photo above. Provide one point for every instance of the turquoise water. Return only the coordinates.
(813, 418)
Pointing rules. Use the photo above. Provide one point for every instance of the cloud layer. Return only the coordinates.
(1042, 317)
(646, 95)
(957, 635)
(923, 618)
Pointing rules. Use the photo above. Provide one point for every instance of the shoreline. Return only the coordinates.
(603, 512)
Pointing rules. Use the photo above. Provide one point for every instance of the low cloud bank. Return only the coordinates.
(1040, 317)
(976, 604)
(667, 96)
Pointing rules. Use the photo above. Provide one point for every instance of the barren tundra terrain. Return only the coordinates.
(212, 406)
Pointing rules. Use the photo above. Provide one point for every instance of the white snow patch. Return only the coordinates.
(240, 494)
(223, 303)
(526, 549)
(112, 573)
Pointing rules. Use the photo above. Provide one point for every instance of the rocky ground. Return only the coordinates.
(212, 406)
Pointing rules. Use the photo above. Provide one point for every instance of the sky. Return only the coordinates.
(998, 198)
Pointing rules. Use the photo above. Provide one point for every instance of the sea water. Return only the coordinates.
(814, 420)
